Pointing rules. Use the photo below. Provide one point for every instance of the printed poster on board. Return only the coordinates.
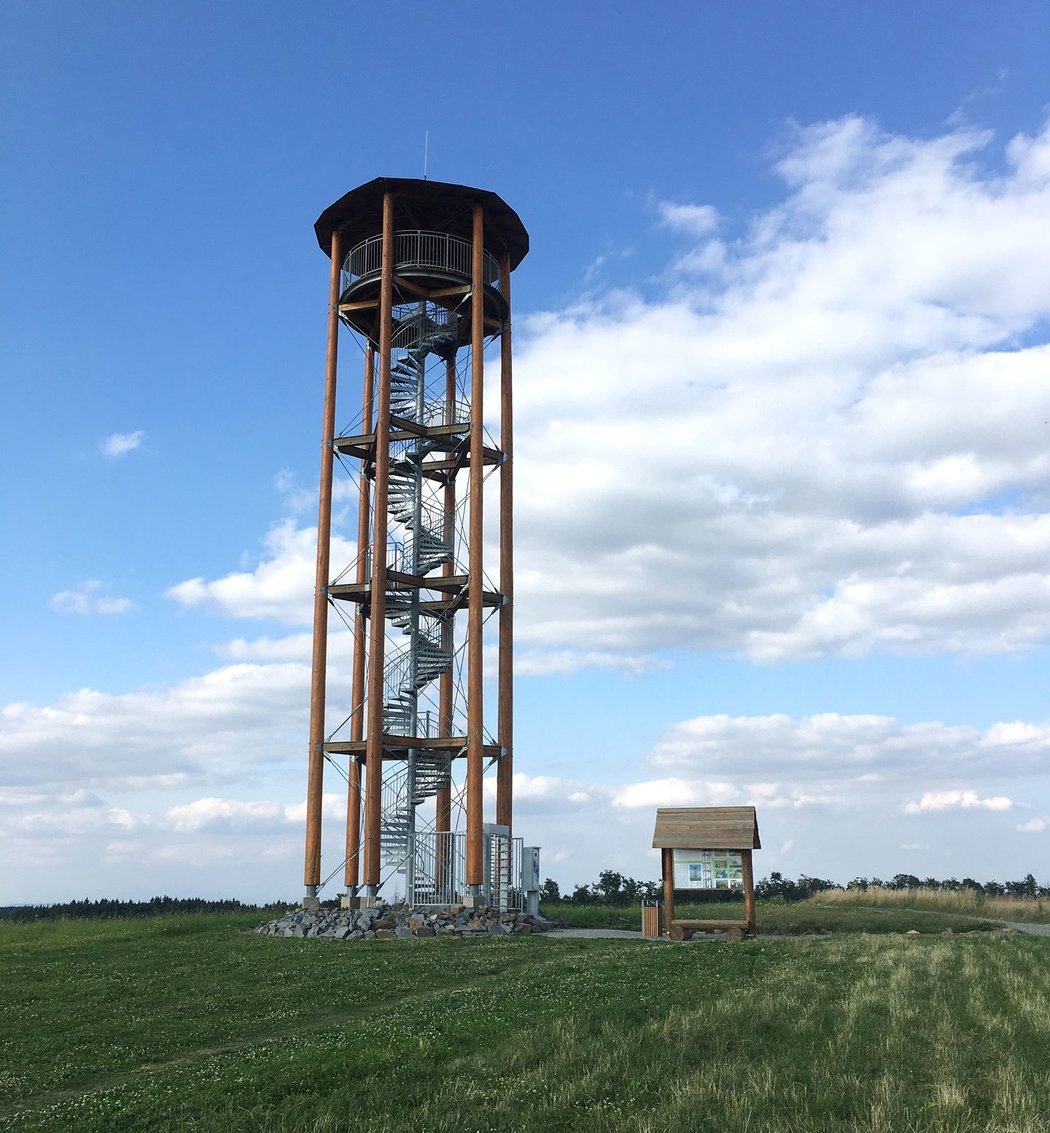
(708, 869)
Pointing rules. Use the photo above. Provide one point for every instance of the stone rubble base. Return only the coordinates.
(389, 922)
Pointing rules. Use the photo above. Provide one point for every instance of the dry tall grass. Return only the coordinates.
(965, 901)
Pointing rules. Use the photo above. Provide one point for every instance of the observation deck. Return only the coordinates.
(432, 250)
(433, 266)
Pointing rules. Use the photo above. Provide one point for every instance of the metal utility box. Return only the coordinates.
(530, 868)
(530, 878)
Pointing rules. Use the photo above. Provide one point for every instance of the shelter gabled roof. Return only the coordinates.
(707, 828)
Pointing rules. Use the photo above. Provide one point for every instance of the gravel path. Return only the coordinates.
(1032, 929)
(626, 934)
(596, 933)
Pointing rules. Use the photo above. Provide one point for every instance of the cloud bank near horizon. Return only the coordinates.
(206, 780)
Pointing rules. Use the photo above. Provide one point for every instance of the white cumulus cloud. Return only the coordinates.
(696, 220)
(956, 800)
(120, 444)
(222, 815)
(844, 437)
(280, 587)
(199, 729)
(87, 598)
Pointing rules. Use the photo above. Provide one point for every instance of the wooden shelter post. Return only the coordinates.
(749, 891)
(667, 865)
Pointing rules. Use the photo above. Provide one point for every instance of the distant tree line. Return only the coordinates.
(110, 908)
(777, 885)
(1026, 887)
(611, 888)
(614, 889)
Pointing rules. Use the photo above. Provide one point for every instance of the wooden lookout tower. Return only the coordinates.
(420, 274)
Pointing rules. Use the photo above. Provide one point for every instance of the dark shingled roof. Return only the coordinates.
(706, 828)
(426, 205)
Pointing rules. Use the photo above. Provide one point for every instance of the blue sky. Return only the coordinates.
(781, 359)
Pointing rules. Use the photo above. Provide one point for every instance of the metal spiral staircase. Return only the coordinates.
(424, 548)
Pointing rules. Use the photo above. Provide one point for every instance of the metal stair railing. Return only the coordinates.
(423, 547)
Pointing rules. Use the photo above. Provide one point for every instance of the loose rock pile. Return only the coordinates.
(388, 922)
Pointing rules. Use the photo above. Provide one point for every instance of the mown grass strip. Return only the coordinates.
(80, 1003)
(778, 916)
(339, 1018)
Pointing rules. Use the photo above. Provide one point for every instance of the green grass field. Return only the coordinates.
(192, 1024)
(814, 915)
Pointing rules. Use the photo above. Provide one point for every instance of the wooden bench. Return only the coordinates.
(734, 930)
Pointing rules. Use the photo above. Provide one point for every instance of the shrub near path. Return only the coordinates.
(196, 1026)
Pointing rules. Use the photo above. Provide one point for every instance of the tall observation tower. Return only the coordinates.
(420, 273)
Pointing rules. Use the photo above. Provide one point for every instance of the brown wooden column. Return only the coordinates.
(475, 738)
(443, 800)
(667, 864)
(377, 629)
(315, 769)
(505, 677)
(357, 688)
(748, 871)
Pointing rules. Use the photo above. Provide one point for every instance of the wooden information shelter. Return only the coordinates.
(707, 849)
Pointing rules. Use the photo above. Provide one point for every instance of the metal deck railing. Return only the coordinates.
(436, 251)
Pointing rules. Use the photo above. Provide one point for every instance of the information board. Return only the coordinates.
(708, 869)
